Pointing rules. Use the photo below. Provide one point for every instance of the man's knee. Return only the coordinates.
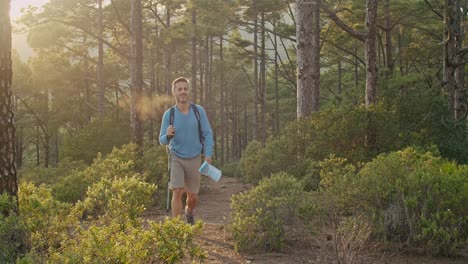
(178, 192)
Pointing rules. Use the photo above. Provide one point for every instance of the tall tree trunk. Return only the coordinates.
(207, 73)
(315, 56)
(215, 107)
(277, 124)
(19, 147)
(100, 66)
(151, 92)
(453, 59)
(235, 129)
(44, 124)
(201, 69)
(246, 128)
(8, 179)
(136, 70)
(168, 54)
(255, 122)
(371, 52)
(400, 51)
(262, 85)
(370, 40)
(56, 147)
(356, 69)
(305, 56)
(194, 54)
(117, 102)
(223, 105)
(38, 146)
(388, 39)
(86, 77)
(46, 145)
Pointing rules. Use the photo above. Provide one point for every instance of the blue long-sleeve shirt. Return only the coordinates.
(186, 141)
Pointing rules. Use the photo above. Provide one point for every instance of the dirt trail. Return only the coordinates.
(214, 210)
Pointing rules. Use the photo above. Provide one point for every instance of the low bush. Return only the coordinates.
(100, 136)
(168, 242)
(232, 169)
(51, 175)
(119, 199)
(417, 197)
(260, 214)
(334, 131)
(120, 163)
(14, 238)
(48, 220)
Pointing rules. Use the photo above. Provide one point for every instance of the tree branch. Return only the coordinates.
(119, 18)
(155, 13)
(332, 15)
(89, 33)
(433, 10)
(463, 51)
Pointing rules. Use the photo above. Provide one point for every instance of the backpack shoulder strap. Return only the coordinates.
(197, 114)
(195, 110)
(171, 116)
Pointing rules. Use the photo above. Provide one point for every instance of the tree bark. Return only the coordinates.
(277, 124)
(223, 112)
(388, 39)
(262, 85)
(194, 54)
(307, 58)
(371, 52)
(136, 70)
(168, 54)
(8, 178)
(255, 61)
(100, 66)
(370, 39)
(453, 60)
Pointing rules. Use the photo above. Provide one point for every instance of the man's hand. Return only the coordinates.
(170, 132)
(209, 160)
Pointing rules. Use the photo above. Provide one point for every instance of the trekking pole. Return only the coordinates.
(168, 200)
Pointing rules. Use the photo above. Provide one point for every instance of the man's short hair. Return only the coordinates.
(178, 80)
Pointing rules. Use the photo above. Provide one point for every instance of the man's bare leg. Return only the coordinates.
(177, 194)
(192, 200)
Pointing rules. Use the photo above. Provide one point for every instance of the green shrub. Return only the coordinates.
(100, 136)
(337, 182)
(339, 131)
(47, 219)
(71, 188)
(252, 162)
(260, 215)
(417, 198)
(51, 175)
(168, 242)
(175, 239)
(118, 199)
(120, 163)
(232, 169)
(154, 164)
(443, 233)
(14, 238)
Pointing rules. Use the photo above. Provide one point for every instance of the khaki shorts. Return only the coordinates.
(184, 173)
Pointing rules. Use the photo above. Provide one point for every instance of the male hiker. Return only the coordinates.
(187, 131)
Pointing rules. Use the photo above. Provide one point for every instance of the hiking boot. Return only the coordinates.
(189, 217)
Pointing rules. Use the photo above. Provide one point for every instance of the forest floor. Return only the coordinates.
(214, 210)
